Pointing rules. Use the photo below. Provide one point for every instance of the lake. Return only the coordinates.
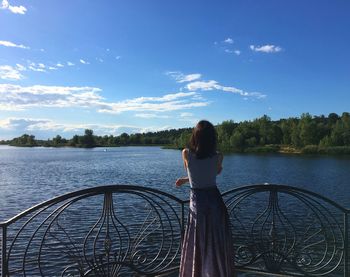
(32, 175)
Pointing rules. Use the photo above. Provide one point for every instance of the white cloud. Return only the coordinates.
(40, 67)
(155, 129)
(168, 102)
(237, 52)
(20, 67)
(214, 85)
(5, 5)
(36, 68)
(70, 64)
(49, 128)
(229, 40)
(186, 114)
(268, 48)
(15, 97)
(182, 78)
(193, 84)
(8, 72)
(35, 125)
(150, 115)
(83, 61)
(11, 44)
(117, 57)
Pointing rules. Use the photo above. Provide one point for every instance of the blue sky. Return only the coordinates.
(135, 66)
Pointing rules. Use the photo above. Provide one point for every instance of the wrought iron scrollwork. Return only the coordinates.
(104, 231)
(136, 231)
(284, 230)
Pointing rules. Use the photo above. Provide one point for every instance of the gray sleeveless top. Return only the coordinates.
(202, 172)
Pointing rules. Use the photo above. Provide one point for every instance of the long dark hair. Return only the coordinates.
(203, 140)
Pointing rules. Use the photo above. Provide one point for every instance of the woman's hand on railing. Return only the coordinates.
(183, 180)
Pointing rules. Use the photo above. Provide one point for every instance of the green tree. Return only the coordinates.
(237, 140)
(88, 140)
(56, 141)
(308, 130)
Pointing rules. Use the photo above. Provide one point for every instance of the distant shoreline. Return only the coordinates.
(267, 149)
(305, 135)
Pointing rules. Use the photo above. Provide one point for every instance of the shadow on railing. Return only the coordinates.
(136, 231)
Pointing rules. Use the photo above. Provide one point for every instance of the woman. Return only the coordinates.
(207, 249)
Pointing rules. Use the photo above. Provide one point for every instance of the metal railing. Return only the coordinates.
(124, 230)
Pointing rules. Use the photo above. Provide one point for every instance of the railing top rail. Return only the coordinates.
(89, 191)
(114, 188)
(286, 189)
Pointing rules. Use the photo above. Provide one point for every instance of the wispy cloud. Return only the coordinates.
(237, 52)
(182, 78)
(7, 43)
(83, 61)
(186, 114)
(155, 129)
(168, 102)
(268, 48)
(34, 125)
(70, 64)
(214, 85)
(229, 40)
(8, 72)
(36, 67)
(151, 115)
(188, 118)
(5, 5)
(193, 84)
(20, 67)
(16, 97)
(40, 67)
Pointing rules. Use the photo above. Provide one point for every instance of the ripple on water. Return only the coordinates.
(32, 175)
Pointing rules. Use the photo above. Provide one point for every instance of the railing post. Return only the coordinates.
(346, 244)
(4, 264)
(182, 220)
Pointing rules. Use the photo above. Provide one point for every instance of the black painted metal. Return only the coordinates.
(123, 230)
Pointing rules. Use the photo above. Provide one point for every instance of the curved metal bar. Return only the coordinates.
(279, 230)
(97, 190)
(269, 187)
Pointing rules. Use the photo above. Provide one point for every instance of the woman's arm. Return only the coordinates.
(185, 157)
(183, 180)
(219, 166)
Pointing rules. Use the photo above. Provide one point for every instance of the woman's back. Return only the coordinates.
(202, 172)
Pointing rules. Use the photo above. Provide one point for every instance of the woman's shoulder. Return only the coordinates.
(185, 152)
(219, 155)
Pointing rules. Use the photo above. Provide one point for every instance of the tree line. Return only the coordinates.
(89, 140)
(307, 134)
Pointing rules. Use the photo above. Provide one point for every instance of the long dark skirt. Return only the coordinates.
(207, 249)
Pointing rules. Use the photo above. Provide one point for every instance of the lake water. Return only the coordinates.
(32, 175)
